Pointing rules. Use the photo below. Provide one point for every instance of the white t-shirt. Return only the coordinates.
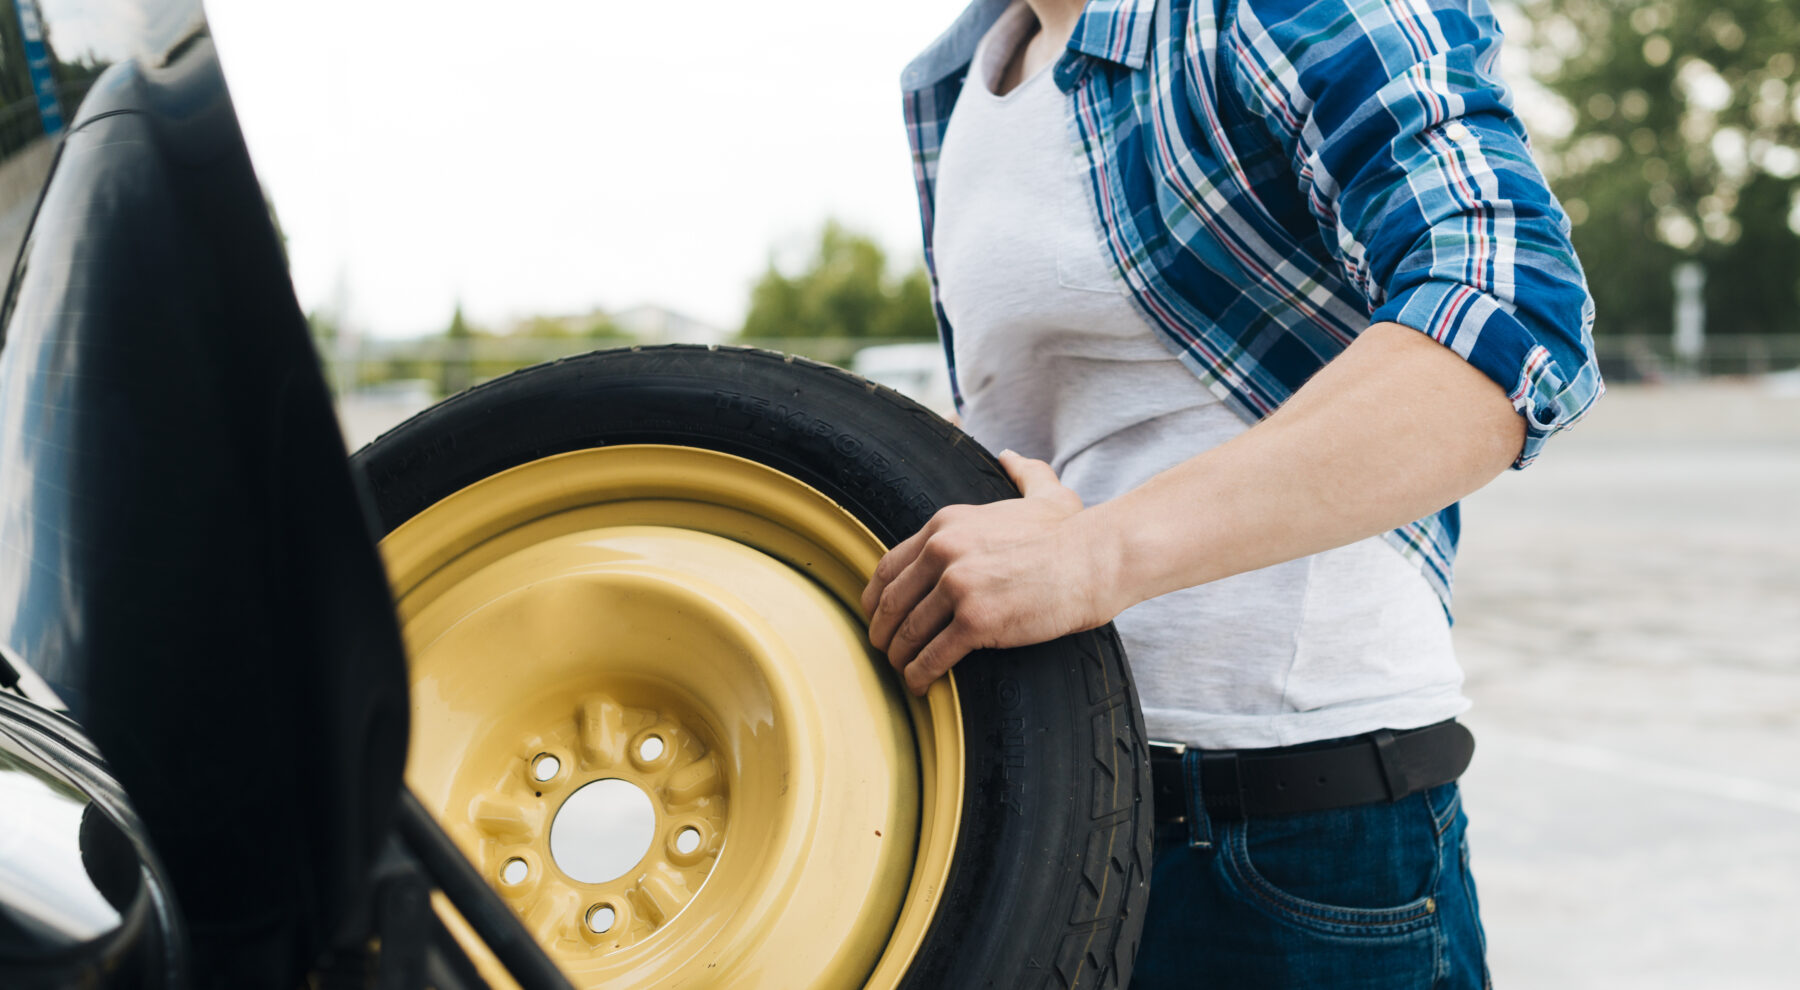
(1056, 362)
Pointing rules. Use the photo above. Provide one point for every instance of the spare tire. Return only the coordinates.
(668, 544)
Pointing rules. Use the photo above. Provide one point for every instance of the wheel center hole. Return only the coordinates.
(602, 831)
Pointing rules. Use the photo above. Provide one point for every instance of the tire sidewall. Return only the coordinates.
(1049, 877)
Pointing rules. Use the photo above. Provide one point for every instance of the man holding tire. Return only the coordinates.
(1267, 287)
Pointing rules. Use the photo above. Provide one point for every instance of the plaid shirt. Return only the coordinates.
(1271, 177)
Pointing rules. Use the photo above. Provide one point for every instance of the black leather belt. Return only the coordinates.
(1367, 769)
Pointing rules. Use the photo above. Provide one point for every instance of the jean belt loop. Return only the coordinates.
(1392, 776)
(1198, 822)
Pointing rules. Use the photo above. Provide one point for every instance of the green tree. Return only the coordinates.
(603, 330)
(544, 328)
(910, 315)
(1685, 145)
(845, 291)
(775, 307)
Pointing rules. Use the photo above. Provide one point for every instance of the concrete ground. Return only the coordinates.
(1629, 616)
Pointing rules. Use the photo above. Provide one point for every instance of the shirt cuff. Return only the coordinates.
(1490, 336)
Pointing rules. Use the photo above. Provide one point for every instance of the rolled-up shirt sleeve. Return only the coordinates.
(1419, 175)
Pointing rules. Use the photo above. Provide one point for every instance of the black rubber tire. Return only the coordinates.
(1050, 876)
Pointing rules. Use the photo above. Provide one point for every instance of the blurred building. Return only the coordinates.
(653, 324)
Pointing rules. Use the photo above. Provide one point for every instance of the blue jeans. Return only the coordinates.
(1376, 897)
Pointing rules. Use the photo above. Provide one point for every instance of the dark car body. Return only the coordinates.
(203, 713)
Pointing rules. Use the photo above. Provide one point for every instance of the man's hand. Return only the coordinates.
(1009, 573)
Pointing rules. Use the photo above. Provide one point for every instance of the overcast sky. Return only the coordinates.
(552, 156)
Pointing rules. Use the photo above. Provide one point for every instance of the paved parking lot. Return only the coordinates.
(1629, 615)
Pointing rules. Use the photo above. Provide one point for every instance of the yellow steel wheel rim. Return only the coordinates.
(579, 605)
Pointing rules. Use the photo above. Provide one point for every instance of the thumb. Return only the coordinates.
(1034, 477)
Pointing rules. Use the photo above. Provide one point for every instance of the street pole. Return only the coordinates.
(1690, 317)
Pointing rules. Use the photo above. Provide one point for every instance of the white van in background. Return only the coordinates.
(916, 371)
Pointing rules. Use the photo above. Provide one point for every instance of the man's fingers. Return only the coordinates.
(899, 600)
(1034, 477)
(920, 626)
(897, 560)
(891, 566)
(945, 649)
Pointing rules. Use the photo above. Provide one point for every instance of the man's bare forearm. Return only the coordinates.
(1392, 430)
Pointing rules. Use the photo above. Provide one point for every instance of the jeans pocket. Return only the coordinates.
(1445, 801)
(1355, 873)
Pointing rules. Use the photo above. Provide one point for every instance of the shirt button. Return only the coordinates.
(1456, 131)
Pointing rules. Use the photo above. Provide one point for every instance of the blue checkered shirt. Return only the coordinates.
(1272, 177)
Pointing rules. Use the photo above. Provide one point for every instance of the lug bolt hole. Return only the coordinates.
(514, 872)
(687, 840)
(600, 919)
(651, 749)
(544, 766)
